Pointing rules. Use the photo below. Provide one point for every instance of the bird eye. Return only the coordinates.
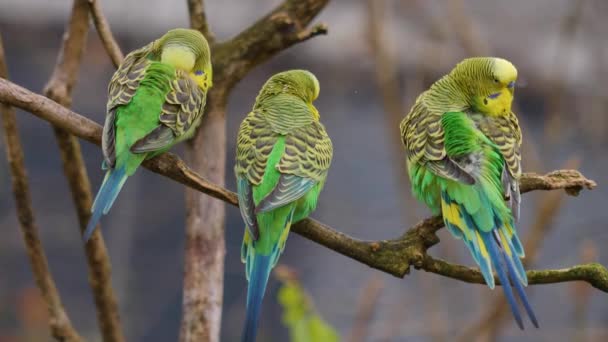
(199, 72)
(496, 80)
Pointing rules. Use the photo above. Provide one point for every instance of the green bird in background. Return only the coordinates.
(463, 146)
(156, 100)
(282, 158)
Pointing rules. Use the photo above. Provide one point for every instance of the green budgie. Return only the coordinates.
(463, 156)
(156, 100)
(283, 155)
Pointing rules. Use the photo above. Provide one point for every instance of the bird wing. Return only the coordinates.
(505, 133)
(255, 142)
(182, 110)
(122, 88)
(305, 162)
(423, 136)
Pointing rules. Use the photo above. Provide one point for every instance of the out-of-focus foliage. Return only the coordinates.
(299, 314)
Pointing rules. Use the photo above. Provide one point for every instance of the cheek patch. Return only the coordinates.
(493, 96)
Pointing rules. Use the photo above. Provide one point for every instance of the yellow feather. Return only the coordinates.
(451, 213)
(482, 246)
(504, 71)
(180, 57)
(504, 242)
(510, 230)
(315, 112)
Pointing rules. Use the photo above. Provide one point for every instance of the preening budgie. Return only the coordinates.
(282, 158)
(463, 145)
(156, 100)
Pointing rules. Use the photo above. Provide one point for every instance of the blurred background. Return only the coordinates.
(377, 57)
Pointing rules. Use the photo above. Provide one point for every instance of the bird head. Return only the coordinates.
(490, 83)
(299, 83)
(187, 50)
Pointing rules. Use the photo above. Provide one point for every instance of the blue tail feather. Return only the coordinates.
(498, 262)
(519, 287)
(258, 279)
(113, 182)
(516, 266)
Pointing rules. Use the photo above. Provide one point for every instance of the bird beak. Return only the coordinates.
(511, 85)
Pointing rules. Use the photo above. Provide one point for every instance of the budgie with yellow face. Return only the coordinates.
(463, 144)
(156, 100)
(282, 158)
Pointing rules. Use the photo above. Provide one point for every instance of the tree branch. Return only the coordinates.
(391, 256)
(198, 19)
(59, 89)
(61, 327)
(283, 27)
(105, 34)
(593, 273)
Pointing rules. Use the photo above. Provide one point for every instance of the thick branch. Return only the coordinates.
(105, 34)
(205, 236)
(592, 273)
(61, 327)
(198, 19)
(285, 26)
(84, 128)
(391, 256)
(59, 89)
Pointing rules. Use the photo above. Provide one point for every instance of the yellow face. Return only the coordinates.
(183, 58)
(498, 89)
(202, 79)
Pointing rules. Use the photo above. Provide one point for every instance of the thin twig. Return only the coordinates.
(581, 294)
(59, 89)
(386, 76)
(391, 256)
(466, 30)
(564, 54)
(368, 301)
(61, 327)
(105, 34)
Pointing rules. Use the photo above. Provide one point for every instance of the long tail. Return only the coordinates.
(498, 248)
(112, 183)
(258, 278)
(257, 268)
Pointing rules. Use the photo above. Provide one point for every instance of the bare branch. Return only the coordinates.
(105, 34)
(59, 89)
(48, 110)
(280, 29)
(571, 181)
(391, 256)
(198, 19)
(205, 237)
(592, 273)
(368, 302)
(61, 327)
